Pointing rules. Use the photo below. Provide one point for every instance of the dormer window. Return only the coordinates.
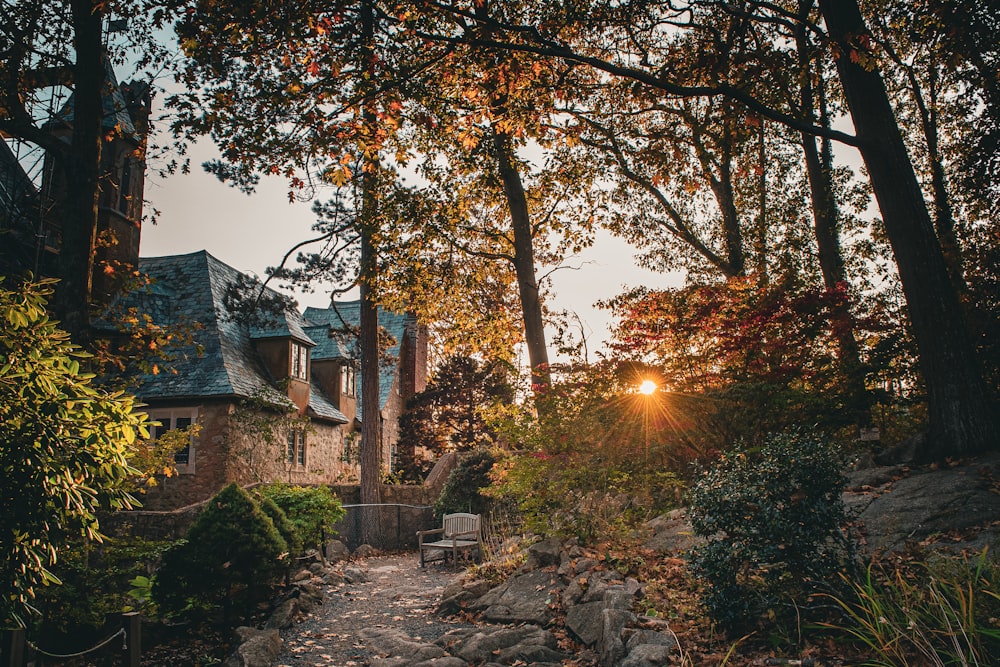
(348, 380)
(300, 361)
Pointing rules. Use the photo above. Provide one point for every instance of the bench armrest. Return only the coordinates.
(422, 533)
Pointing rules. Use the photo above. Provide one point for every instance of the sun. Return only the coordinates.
(647, 387)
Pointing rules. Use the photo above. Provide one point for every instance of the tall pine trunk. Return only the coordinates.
(961, 418)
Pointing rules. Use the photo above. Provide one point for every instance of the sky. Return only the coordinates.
(252, 232)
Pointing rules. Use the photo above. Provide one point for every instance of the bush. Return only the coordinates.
(773, 518)
(96, 583)
(230, 554)
(64, 445)
(461, 492)
(285, 527)
(312, 510)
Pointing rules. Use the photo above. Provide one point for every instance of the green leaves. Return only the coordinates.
(63, 447)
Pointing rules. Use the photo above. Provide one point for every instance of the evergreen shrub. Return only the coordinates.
(228, 556)
(773, 517)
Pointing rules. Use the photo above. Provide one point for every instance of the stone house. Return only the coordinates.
(275, 395)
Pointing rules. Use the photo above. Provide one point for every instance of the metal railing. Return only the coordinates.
(15, 647)
(397, 523)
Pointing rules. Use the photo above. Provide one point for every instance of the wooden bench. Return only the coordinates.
(459, 532)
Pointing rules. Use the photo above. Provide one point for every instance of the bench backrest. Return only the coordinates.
(455, 524)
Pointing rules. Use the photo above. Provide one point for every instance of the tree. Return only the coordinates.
(635, 42)
(64, 447)
(52, 45)
(450, 415)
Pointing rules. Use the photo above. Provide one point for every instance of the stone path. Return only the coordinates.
(394, 593)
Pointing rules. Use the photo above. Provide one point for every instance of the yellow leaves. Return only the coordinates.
(339, 176)
(468, 139)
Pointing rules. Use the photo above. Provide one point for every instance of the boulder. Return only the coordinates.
(598, 582)
(337, 551)
(256, 648)
(671, 533)
(648, 655)
(586, 622)
(524, 598)
(487, 643)
(283, 615)
(544, 553)
(396, 644)
(612, 644)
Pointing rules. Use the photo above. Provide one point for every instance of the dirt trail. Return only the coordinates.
(398, 594)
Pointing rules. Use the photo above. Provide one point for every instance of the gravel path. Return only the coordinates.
(398, 594)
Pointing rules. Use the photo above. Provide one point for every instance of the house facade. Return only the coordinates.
(275, 395)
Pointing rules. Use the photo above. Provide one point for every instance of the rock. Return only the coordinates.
(617, 597)
(671, 533)
(648, 655)
(301, 575)
(283, 616)
(531, 654)
(598, 582)
(486, 643)
(584, 565)
(365, 551)
(257, 648)
(337, 551)
(612, 646)
(586, 621)
(645, 636)
(397, 644)
(454, 603)
(389, 662)
(544, 553)
(524, 598)
(317, 568)
(927, 503)
(355, 575)
(445, 661)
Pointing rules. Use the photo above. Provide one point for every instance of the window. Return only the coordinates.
(295, 449)
(348, 380)
(300, 361)
(180, 418)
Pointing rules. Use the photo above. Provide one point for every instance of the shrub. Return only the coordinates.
(312, 510)
(773, 518)
(63, 448)
(231, 552)
(96, 582)
(285, 527)
(461, 491)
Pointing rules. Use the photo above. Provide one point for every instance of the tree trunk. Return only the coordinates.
(961, 419)
(82, 165)
(524, 263)
(826, 229)
(371, 418)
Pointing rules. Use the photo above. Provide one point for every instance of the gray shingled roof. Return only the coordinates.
(192, 288)
(116, 114)
(348, 313)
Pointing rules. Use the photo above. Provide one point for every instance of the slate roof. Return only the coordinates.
(116, 115)
(193, 288)
(344, 316)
